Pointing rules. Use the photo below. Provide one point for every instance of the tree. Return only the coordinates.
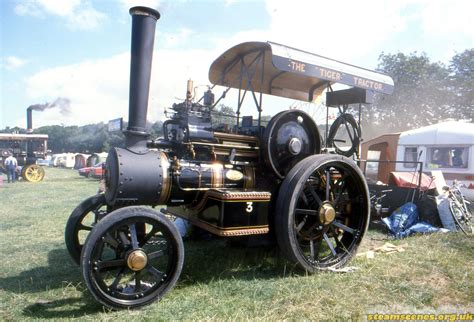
(462, 83)
(15, 129)
(59, 136)
(421, 96)
(425, 93)
(156, 129)
(224, 115)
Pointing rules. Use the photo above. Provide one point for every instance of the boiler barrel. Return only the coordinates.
(151, 179)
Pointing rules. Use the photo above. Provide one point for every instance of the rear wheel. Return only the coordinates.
(132, 258)
(323, 212)
(33, 173)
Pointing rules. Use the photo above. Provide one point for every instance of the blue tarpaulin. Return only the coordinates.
(404, 222)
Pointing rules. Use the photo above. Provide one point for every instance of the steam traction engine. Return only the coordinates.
(26, 148)
(250, 180)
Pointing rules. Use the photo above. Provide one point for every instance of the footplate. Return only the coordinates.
(230, 212)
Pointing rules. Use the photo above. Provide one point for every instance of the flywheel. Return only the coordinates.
(289, 137)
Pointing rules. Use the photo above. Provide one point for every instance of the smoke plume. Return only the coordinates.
(62, 103)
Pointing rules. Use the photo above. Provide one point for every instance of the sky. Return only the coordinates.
(78, 50)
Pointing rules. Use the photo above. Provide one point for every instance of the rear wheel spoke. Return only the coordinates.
(330, 245)
(345, 228)
(314, 248)
(314, 195)
(341, 191)
(338, 242)
(328, 184)
(311, 248)
(305, 200)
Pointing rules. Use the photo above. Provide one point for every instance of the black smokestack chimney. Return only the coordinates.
(143, 35)
(29, 120)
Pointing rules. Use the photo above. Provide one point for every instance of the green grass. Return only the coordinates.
(39, 280)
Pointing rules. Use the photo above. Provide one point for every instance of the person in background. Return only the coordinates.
(457, 158)
(11, 163)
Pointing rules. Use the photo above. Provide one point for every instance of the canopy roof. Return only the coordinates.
(22, 137)
(283, 71)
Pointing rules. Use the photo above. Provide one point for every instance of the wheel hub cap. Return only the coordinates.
(327, 213)
(137, 260)
(295, 146)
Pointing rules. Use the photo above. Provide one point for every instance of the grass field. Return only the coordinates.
(39, 280)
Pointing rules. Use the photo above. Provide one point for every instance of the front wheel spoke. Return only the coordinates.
(155, 272)
(157, 254)
(330, 245)
(306, 212)
(111, 241)
(138, 279)
(123, 238)
(111, 264)
(117, 279)
(345, 228)
(133, 235)
(152, 232)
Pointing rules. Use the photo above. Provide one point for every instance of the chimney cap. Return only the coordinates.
(145, 11)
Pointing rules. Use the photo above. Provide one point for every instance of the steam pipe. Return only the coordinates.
(143, 35)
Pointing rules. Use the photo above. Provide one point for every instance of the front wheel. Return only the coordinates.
(132, 258)
(80, 223)
(323, 212)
